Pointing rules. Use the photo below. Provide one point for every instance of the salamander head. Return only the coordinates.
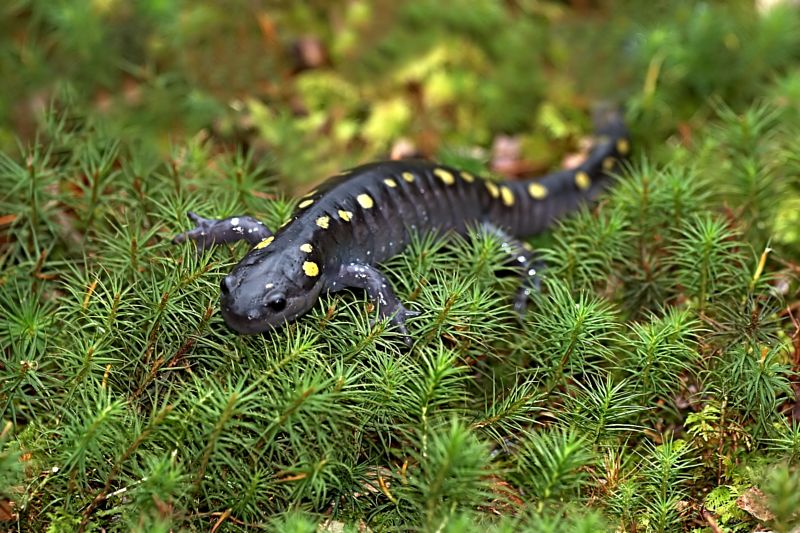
(269, 289)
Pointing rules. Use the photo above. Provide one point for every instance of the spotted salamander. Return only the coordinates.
(354, 221)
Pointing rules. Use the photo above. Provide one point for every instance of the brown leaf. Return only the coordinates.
(308, 52)
(268, 27)
(403, 148)
(506, 154)
(7, 219)
(508, 500)
(754, 502)
(7, 510)
(264, 195)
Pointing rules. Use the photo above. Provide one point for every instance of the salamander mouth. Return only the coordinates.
(245, 324)
(253, 324)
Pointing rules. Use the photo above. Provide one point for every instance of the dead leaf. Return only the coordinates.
(268, 27)
(7, 510)
(508, 500)
(754, 502)
(7, 219)
(403, 148)
(506, 154)
(308, 53)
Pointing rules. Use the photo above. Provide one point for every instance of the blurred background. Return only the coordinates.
(311, 87)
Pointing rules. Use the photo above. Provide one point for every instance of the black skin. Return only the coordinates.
(361, 217)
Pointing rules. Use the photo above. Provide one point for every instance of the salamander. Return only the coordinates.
(342, 230)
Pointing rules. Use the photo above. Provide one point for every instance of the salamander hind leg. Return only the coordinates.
(209, 232)
(524, 260)
(368, 278)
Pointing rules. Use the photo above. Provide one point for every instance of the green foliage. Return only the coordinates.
(722, 502)
(781, 487)
(705, 259)
(10, 467)
(553, 465)
(786, 441)
(633, 248)
(601, 409)
(743, 148)
(569, 334)
(753, 382)
(661, 349)
(452, 476)
(705, 50)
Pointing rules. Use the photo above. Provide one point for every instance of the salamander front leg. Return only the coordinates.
(524, 259)
(209, 232)
(354, 275)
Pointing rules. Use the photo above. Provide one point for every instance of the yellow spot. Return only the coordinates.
(323, 222)
(312, 192)
(408, 176)
(345, 215)
(537, 191)
(286, 223)
(608, 163)
(345, 172)
(582, 180)
(508, 196)
(623, 146)
(307, 248)
(493, 190)
(264, 243)
(365, 201)
(390, 182)
(469, 178)
(311, 269)
(305, 203)
(445, 176)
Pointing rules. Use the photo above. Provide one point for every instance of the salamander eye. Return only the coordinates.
(277, 303)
